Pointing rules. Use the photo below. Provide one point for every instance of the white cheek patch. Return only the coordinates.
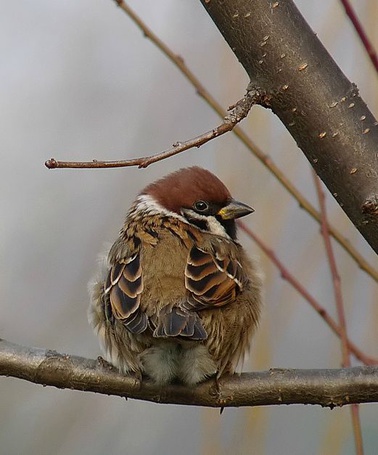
(215, 227)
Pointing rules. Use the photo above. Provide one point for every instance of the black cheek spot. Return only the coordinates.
(229, 226)
(201, 224)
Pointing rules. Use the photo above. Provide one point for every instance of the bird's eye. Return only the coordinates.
(201, 206)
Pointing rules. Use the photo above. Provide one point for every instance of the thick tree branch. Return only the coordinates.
(318, 105)
(329, 388)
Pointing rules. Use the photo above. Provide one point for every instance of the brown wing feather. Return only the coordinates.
(177, 321)
(212, 279)
(125, 285)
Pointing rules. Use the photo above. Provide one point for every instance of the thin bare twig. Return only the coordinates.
(361, 33)
(357, 430)
(329, 387)
(236, 114)
(356, 423)
(286, 275)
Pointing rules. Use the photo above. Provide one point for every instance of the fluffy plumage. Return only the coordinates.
(177, 298)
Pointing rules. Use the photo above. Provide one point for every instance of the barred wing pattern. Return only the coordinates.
(212, 279)
(124, 286)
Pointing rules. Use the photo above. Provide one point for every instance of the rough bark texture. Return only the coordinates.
(277, 386)
(319, 106)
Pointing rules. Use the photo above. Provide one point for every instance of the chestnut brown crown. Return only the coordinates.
(181, 189)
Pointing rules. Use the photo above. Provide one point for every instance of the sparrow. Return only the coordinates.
(176, 298)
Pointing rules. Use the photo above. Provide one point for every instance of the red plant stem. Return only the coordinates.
(286, 275)
(356, 423)
(361, 33)
(334, 273)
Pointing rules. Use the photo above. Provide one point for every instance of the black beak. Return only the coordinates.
(235, 209)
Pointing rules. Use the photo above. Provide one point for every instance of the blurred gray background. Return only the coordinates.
(80, 82)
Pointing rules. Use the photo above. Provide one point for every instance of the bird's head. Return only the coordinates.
(197, 196)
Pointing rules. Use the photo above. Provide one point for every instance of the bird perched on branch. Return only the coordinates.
(176, 298)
